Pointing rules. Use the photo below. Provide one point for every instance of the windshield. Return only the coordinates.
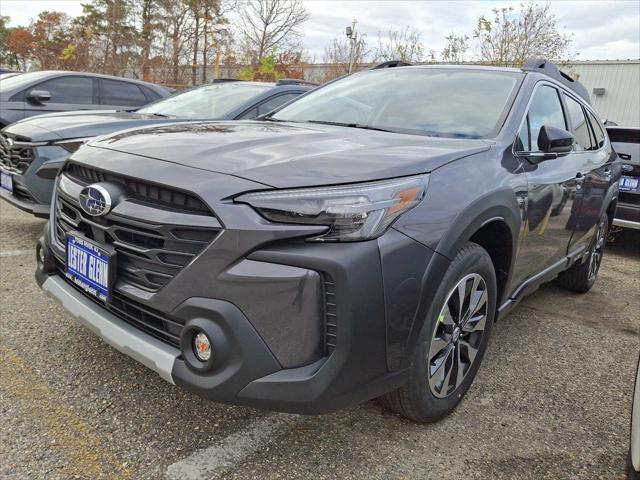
(211, 101)
(17, 81)
(429, 101)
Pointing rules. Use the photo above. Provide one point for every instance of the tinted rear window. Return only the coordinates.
(115, 92)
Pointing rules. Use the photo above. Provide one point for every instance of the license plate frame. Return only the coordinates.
(629, 184)
(87, 263)
(6, 181)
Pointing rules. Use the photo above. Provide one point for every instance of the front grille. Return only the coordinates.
(148, 255)
(629, 198)
(144, 318)
(15, 158)
(330, 315)
(158, 195)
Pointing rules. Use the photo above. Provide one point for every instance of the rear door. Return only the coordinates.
(68, 92)
(595, 173)
(121, 95)
(552, 187)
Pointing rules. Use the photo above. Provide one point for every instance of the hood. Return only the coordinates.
(287, 154)
(81, 124)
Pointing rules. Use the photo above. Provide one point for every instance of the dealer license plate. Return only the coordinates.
(90, 266)
(629, 184)
(6, 181)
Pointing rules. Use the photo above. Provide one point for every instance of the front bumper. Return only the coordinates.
(628, 214)
(248, 372)
(24, 204)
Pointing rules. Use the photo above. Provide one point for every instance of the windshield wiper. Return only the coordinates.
(270, 118)
(351, 125)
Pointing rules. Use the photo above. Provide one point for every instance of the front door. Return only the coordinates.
(67, 93)
(552, 189)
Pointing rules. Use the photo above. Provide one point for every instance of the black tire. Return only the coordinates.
(418, 399)
(583, 274)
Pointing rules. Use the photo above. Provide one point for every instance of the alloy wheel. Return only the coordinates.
(458, 335)
(597, 248)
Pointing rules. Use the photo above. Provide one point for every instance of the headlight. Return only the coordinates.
(72, 145)
(352, 212)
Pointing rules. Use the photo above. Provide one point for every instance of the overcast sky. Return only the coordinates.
(602, 29)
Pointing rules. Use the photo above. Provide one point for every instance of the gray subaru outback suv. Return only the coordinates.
(358, 243)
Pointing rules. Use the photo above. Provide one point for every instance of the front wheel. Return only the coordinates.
(452, 341)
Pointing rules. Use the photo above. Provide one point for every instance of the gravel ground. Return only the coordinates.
(551, 401)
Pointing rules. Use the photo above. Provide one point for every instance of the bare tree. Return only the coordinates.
(337, 52)
(405, 45)
(267, 25)
(457, 46)
(510, 38)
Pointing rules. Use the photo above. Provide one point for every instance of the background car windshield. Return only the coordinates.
(211, 101)
(23, 79)
(438, 102)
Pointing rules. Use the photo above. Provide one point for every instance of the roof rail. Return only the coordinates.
(391, 64)
(224, 80)
(294, 81)
(550, 69)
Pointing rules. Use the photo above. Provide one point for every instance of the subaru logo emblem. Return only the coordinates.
(95, 200)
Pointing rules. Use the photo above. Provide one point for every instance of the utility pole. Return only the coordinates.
(353, 38)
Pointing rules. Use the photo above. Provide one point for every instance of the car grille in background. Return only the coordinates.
(15, 158)
(142, 191)
(149, 255)
(330, 315)
(146, 319)
(629, 198)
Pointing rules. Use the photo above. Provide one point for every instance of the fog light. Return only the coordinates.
(40, 253)
(202, 347)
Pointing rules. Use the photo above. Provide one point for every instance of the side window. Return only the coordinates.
(275, 102)
(597, 130)
(523, 143)
(121, 93)
(545, 109)
(151, 94)
(78, 90)
(579, 124)
(253, 113)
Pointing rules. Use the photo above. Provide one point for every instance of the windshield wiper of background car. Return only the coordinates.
(269, 118)
(352, 125)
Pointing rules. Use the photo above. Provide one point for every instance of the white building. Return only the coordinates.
(614, 86)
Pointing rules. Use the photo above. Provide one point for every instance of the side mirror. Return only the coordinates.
(38, 96)
(555, 140)
(552, 143)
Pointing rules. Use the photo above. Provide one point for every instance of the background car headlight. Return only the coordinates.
(72, 145)
(352, 212)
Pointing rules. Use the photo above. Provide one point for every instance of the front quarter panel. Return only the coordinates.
(465, 194)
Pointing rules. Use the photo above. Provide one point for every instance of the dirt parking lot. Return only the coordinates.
(551, 401)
